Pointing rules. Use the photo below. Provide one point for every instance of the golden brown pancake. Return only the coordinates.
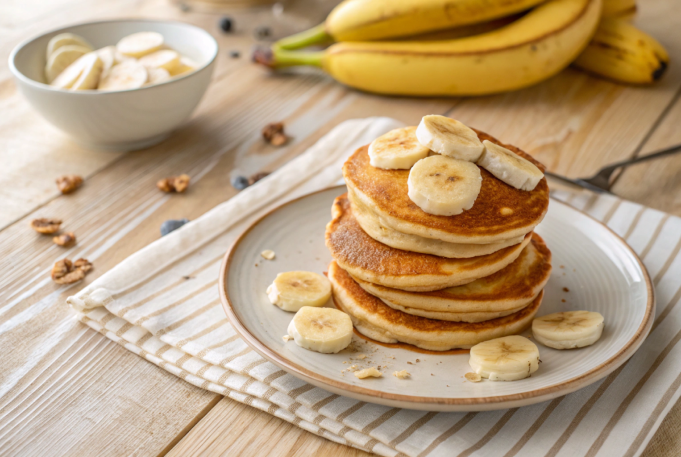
(500, 212)
(374, 262)
(375, 319)
(504, 292)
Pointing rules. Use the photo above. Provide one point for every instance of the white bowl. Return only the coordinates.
(120, 120)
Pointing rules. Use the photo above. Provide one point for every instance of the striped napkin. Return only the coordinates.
(162, 304)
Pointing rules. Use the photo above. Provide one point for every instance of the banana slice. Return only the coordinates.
(293, 290)
(505, 359)
(92, 70)
(444, 186)
(108, 58)
(125, 75)
(324, 330)
(509, 167)
(568, 330)
(397, 149)
(140, 44)
(167, 59)
(70, 78)
(66, 39)
(157, 76)
(449, 137)
(186, 65)
(61, 58)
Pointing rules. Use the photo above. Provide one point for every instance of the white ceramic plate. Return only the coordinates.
(598, 268)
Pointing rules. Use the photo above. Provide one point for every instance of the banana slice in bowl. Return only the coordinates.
(126, 75)
(449, 137)
(509, 358)
(294, 290)
(140, 44)
(509, 167)
(61, 58)
(81, 74)
(324, 330)
(166, 59)
(569, 329)
(398, 149)
(444, 186)
(66, 39)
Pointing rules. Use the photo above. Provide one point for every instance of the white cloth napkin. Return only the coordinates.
(162, 303)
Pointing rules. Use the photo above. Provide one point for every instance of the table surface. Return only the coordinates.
(115, 403)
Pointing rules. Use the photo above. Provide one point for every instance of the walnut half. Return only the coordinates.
(274, 134)
(69, 183)
(65, 239)
(46, 226)
(174, 183)
(67, 272)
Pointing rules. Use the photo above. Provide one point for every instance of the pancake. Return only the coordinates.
(375, 319)
(371, 223)
(374, 262)
(385, 192)
(502, 293)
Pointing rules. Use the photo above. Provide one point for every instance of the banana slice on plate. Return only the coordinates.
(140, 44)
(568, 330)
(324, 330)
(126, 75)
(444, 186)
(157, 76)
(66, 39)
(509, 167)
(397, 149)
(449, 137)
(509, 358)
(293, 290)
(80, 74)
(167, 59)
(61, 58)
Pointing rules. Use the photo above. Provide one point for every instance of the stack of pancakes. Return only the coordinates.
(436, 282)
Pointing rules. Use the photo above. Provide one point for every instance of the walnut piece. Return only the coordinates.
(368, 372)
(174, 183)
(46, 226)
(67, 272)
(257, 177)
(65, 239)
(274, 134)
(69, 183)
(473, 377)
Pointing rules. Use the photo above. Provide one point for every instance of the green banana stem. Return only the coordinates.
(279, 58)
(315, 35)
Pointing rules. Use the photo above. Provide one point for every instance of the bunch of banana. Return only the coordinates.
(470, 47)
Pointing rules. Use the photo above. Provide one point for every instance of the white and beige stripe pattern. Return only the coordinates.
(162, 304)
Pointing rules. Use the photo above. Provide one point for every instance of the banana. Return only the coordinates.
(157, 76)
(509, 358)
(449, 137)
(619, 8)
(61, 58)
(66, 39)
(140, 44)
(293, 290)
(324, 330)
(366, 20)
(509, 167)
(92, 70)
(529, 50)
(166, 59)
(126, 75)
(397, 149)
(186, 65)
(444, 186)
(623, 53)
(71, 76)
(568, 330)
(108, 56)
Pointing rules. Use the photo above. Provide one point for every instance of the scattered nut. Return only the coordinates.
(368, 372)
(69, 183)
(268, 254)
(257, 177)
(473, 377)
(565, 289)
(65, 239)
(67, 272)
(46, 226)
(174, 183)
(274, 134)
(404, 374)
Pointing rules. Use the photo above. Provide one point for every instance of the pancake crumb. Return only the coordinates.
(473, 377)
(563, 300)
(404, 374)
(565, 289)
(286, 338)
(361, 356)
(409, 363)
(268, 254)
(368, 372)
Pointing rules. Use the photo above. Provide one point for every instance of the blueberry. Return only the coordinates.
(234, 54)
(171, 225)
(226, 24)
(240, 182)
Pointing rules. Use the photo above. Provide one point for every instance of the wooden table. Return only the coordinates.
(115, 403)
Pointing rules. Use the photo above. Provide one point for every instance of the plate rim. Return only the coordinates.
(541, 394)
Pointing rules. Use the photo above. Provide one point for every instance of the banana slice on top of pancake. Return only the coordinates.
(293, 290)
(509, 167)
(568, 330)
(324, 330)
(443, 186)
(397, 149)
(449, 137)
(508, 358)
